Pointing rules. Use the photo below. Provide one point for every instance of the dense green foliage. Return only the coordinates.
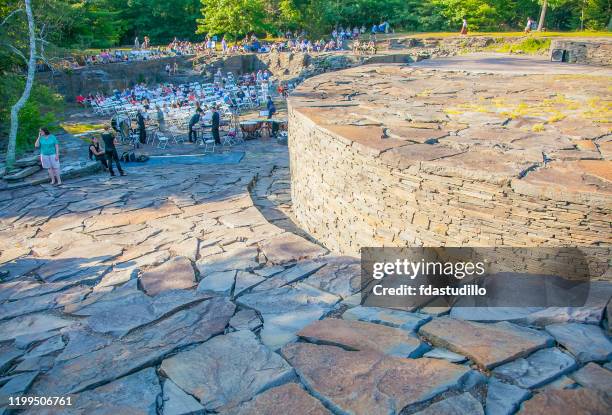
(108, 23)
(320, 16)
(39, 111)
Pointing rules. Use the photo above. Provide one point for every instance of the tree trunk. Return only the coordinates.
(542, 15)
(12, 142)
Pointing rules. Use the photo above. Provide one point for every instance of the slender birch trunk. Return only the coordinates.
(10, 151)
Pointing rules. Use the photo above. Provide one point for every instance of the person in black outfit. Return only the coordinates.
(141, 127)
(195, 118)
(271, 108)
(111, 151)
(216, 120)
(96, 152)
(271, 111)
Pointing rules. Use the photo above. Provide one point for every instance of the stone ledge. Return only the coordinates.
(501, 173)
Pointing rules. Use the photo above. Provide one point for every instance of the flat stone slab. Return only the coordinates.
(282, 400)
(29, 325)
(187, 248)
(248, 217)
(16, 386)
(369, 383)
(34, 364)
(389, 317)
(176, 273)
(52, 345)
(27, 161)
(567, 401)
(137, 350)
(25, 288)
(246, 280)
(177, 402)
(591, 313)
(8, 355)
(32, 304)
(488, 345)
(220, 283)
(24, 342)
(81, 262)
(406, 156)
(595, 377)
(227, 370)
(437, 353)
(290, 275)
(134, 394)
(357, 335)
(21, 174)
(340, 276)
(493, 314)
(537, 369)
(464, 404)
(246, 320)
(82, 341)
(236, 259)
(287, 310)
(504, 398)
(289, 247)
(585, 341)
(127, 308)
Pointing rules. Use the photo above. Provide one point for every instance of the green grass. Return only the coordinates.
(502, 34)
(81, 128)
(529, 46)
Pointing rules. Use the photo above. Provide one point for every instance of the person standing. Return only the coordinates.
(464, 27)
(270, 106)
(215, 121)
(111, 151)
(161, 121)
(224, 45)
(195, 118)
(142, 131)
(271, 111)
(49, 154)
(528, 25)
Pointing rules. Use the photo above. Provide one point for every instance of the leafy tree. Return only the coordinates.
(598, 14)
(162, 20)
(233, 17)
(41, 109)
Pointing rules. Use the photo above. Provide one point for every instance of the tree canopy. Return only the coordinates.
(107, 23)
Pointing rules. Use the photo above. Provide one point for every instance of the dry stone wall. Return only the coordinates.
(352, 189)
(106, 77)
(584, 51)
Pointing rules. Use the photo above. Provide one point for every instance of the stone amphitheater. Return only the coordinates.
(391, 155)
(235, 288)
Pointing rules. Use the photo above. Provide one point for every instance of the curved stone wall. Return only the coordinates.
(449, 174)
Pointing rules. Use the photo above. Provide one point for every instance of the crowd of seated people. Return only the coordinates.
(292, 42)
(172, 96)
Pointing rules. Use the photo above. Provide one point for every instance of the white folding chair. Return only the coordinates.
(209, 145)
(162, 141)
